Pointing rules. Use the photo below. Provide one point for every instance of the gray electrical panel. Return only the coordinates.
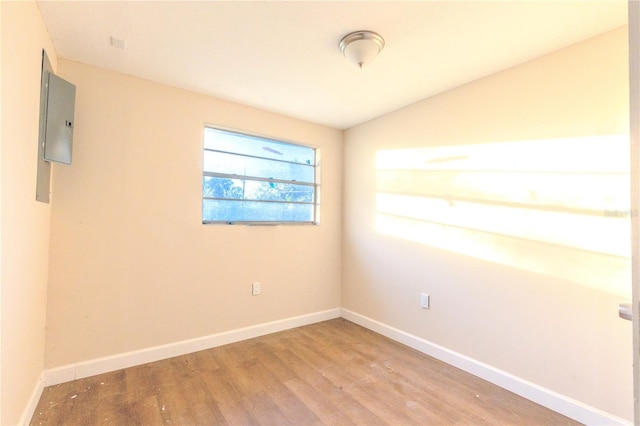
(61, 100)
(55, 139)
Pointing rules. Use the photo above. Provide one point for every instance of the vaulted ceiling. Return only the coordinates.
(283, 56)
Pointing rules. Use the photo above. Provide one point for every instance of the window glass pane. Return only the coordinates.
(223, 140)
(255, 211)
(232, 164)
(252, 179)
(242, 189)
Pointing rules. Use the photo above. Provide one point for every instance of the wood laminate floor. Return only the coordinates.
(334, 373)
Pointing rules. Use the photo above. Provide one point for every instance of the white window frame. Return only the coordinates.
(315, 184)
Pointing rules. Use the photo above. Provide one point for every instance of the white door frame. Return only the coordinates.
(634, 138)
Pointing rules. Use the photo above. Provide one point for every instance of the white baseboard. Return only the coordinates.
(129, 359)
(545, 397)
(30, 409)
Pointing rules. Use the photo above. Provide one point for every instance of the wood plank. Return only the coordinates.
(144, 411)
(229, 400)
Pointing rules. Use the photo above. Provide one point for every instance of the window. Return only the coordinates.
(250, 179)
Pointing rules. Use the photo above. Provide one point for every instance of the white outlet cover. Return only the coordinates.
(424, 300)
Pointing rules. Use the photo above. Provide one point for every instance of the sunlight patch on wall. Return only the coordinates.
(558, 207)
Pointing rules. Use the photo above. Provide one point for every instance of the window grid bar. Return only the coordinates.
(263, 158)
(249, 200)
(256, 138)
(256, 178)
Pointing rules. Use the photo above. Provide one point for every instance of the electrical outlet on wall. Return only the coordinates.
(255, 288)
(424, 301)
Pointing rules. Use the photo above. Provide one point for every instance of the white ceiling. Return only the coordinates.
(283, 56)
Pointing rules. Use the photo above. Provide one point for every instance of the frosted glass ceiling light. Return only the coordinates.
(361, 47)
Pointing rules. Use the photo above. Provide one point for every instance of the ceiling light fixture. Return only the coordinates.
(361, 47)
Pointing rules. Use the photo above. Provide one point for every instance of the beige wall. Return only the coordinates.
(526, 305)
(25, 222)
(132, 266)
